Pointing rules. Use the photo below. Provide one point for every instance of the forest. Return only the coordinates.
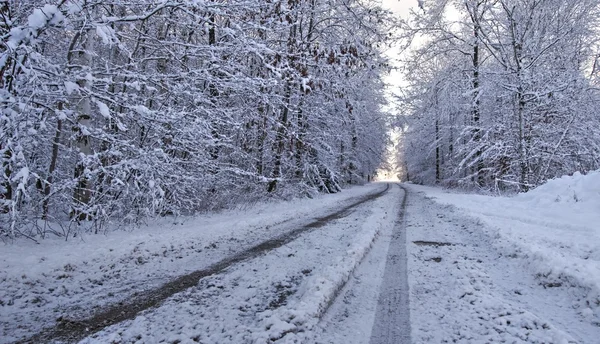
(501, 95)
(115, 112)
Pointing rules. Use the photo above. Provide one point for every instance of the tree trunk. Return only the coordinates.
(283, 122)
(521, 104)
(300, 141)
(437, 151)
(83, 193)
(475, 110)
(52, 167)
(6, 185)
(280, 139)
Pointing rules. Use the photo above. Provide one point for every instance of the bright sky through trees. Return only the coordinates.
(400, 6)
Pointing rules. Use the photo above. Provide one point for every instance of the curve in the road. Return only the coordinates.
(75, 330)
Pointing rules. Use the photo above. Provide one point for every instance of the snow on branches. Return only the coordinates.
(500, 92)
(116, 110)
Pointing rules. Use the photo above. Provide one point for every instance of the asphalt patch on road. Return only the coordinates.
(435, 259)
(432, 243)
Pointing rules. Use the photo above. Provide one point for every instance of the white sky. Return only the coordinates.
(399, 6)
(402, 9)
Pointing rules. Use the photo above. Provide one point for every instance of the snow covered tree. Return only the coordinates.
(524, 88)
(119, 110)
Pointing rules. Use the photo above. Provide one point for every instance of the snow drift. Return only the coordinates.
(578, 188)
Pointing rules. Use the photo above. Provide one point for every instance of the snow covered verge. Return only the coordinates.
(41, 283)
(465, 289)
(554, 229)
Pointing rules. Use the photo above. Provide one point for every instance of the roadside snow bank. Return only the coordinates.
(554, 228)
(290, 324)
(578, 188)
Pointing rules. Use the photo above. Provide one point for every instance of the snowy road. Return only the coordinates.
(276, 296)
(381, 264)
(325, 240)
(392, 320)
(144, 300)
(464, 287)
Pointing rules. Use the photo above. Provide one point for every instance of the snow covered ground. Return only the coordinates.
(481, 269)
(279, 296)
(55, 280)
(519, 269)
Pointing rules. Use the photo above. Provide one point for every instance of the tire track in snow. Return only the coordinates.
(74, 330)
(392, 318)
